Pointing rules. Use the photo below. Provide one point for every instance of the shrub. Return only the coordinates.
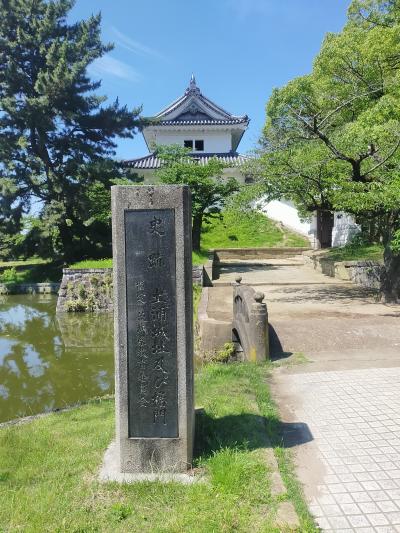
(223, 355)
(9, 275)
(75, 306)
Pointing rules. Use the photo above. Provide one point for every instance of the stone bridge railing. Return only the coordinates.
(250, 322)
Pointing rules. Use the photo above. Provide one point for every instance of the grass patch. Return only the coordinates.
(30, 271)
(54, 488)
(361, 252)
(93, 263)
(197, 259)
(27, 262)
(247, 230)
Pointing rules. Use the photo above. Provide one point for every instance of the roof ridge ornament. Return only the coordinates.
(192, 89)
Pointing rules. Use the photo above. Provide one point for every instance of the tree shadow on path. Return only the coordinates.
(245, 431)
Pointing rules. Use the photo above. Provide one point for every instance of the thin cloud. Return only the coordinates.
(114, 67)
(134, 46)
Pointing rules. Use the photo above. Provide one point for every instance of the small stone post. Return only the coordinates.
(152, 256)
(259, 327)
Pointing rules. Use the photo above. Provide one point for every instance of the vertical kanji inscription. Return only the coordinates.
(151, 323)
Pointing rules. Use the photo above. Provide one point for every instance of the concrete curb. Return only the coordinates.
(286, 515)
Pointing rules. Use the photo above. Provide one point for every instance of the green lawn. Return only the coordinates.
(48, 468)
(28, 262)
(197, 258)
(372, 252)
(247, 230)
(33, 270)
(93, 263)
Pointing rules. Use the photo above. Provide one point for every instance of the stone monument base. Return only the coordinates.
(110, 471)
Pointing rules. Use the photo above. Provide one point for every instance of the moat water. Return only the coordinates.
(49, 361)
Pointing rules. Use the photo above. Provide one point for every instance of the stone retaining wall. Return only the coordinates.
(366, 273)
(369, 274)
(224, 254)
(85, 289)
(90, 289)
(198, 274)
(29, 288)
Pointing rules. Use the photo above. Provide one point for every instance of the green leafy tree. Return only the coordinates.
(209, 189)
(332, 138)
(57, 136)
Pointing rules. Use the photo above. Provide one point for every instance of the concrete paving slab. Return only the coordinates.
(351, 468)
(274, 274)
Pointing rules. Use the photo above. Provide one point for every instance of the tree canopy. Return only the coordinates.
(209, 189)
(332, 138)
(57, 135)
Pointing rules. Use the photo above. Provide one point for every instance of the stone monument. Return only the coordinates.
(152, 260)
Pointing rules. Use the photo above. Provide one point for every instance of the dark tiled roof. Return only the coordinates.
(207, 122)
(151, 161)
(197, 109)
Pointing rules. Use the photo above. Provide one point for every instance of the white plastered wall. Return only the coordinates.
(214, 142)
(285, 212)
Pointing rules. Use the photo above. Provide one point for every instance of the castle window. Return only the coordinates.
(188, 144)
(199, 146)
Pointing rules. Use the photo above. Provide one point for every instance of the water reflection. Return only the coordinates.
(49, 361)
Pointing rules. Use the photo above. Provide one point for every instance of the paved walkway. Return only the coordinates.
(341, 409)
(353, 418)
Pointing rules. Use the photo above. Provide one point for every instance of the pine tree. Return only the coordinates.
(57, 135)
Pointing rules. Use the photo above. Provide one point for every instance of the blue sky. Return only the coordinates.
(239, 50)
